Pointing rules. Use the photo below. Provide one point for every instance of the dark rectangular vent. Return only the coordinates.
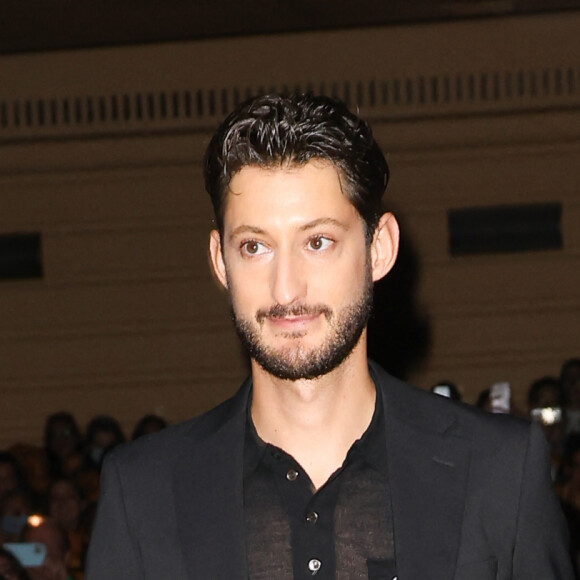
(507, 228)
(20, 256)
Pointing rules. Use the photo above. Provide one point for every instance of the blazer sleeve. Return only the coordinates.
(542, 545)
(113, 553)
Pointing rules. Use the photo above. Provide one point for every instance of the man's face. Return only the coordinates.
(297, 268)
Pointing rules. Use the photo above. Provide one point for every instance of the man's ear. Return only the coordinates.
(384, 246)
(217, 259)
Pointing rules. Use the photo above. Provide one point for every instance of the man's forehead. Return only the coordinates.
(296, 198)
(250, 178)
(301, 227)
(280, 185)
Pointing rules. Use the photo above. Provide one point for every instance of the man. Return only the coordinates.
(322, 464)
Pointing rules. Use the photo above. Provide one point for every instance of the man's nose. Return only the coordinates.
(288, 279)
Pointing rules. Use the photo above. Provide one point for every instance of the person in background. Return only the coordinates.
(568, 489)
(10, 567)
(11, 476)
(546, 406)
(484, 400)
(570, 380)
(66, 506)
(102, 435)
(55, 565)
(63, 444)
(15, 508)
(66, 503)
(34, 465)
(148, 424)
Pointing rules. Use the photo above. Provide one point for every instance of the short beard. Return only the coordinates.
(298, 363)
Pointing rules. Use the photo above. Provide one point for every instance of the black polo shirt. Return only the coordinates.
(342, 531)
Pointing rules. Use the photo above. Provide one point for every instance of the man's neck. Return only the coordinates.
(316, 421)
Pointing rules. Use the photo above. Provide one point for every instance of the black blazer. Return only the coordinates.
(471, 493)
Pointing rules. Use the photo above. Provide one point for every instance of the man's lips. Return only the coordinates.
(292, 321)
(292, 316)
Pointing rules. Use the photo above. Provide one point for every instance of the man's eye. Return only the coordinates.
(319, 243)
(253, 248)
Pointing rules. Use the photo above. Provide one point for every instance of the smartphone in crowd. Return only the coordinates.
(29, 554)
(500, 397)
(443, 390)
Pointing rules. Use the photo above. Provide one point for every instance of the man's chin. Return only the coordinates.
(297, 364)
(293, 373)
(306, 353)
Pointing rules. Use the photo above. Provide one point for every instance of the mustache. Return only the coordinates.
(281, 311)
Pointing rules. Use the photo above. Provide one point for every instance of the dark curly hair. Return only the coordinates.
(275, 130)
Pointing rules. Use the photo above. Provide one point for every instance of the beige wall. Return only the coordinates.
(127, 319)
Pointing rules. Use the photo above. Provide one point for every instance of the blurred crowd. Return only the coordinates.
(48, 496)
(553, 401)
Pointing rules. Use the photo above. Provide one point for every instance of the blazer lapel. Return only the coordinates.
(208, 490)
(428, 464)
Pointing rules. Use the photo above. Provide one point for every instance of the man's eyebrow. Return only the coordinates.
(246, 229)
(249, 229)
(326, 221)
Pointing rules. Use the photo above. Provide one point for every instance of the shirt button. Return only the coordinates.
(291, 475)
(311, 517)
(314, 565)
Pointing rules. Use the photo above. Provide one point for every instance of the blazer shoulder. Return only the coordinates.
(167, 445)
(430, 411)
